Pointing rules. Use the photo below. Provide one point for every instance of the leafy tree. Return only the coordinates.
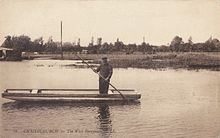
(119, 45)
(145, 48)
(209, 45)
(163, 48)
(104, 48)
(175, 43)
(131, 48)
(8, 42)
(93, 49)
(67, 46)
(21, 43)
(216, 43)
(52, 46)
(38, 45)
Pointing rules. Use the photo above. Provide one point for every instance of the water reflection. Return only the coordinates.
(104, 120)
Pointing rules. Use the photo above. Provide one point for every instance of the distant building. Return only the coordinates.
(9, 54)
(29, 55)
(5, 52)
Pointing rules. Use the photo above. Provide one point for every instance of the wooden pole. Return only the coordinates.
(61, 39)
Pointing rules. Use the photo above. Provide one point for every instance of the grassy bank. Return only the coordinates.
(153, 61)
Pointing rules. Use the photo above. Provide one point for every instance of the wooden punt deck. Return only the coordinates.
(69, 95)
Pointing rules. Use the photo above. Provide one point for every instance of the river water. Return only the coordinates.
(174, 103)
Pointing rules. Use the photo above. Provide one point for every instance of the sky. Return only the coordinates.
(129, 20)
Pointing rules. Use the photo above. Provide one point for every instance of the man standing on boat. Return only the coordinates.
(105, 71)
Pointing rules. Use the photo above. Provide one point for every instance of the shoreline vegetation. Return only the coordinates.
(177, 54)
(161, 60)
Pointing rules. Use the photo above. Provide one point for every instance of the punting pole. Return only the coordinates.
(61, 39)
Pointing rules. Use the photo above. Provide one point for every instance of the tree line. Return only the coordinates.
(24, 43)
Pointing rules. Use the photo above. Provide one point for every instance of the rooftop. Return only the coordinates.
(3, 48)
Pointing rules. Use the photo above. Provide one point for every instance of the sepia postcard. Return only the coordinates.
(110, 68)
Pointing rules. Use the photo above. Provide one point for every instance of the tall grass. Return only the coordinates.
(153, 61)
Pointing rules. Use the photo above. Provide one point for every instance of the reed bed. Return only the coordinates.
(153, 61)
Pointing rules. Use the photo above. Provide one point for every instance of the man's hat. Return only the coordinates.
(104, 58)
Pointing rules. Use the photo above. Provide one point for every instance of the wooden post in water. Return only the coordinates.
(61, 40)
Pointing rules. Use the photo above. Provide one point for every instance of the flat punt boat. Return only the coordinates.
(69, 95)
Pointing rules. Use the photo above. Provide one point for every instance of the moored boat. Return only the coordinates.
(69, 95)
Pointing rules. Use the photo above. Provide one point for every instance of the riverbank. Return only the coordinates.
(189, 60)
